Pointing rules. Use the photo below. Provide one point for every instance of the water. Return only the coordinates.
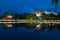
(23, 33)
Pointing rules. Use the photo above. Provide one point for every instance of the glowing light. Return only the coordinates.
(9, 25)
(37, 27)
(9, 16)
(38, 13)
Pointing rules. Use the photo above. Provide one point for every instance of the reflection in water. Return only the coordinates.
(9, 17)
(9, 25)
(38, 27)
(42, 26)
(38, 14)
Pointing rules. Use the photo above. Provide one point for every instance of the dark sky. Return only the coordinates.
(21, 6)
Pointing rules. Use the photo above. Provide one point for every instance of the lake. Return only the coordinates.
(23, 33)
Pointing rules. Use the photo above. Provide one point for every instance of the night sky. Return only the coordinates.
(22, 6)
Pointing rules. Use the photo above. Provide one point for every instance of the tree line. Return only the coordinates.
(32, 16)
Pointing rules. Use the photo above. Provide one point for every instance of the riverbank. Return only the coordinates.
(29, 21)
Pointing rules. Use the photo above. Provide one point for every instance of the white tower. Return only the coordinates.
(38, 14)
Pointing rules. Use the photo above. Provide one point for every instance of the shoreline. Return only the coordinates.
(30, 21)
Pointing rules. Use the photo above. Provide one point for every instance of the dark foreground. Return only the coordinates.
(23, 33)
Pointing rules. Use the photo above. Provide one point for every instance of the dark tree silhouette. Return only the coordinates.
(55, 2)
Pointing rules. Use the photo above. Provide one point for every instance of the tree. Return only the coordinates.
(5, 14)
(16, 16)
(58, 16)
(55, 2)
(43, 16)
(1, 17)
(52, 16)
(30, 17)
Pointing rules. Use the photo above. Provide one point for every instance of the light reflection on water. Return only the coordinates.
(22, 32)
(38, 26)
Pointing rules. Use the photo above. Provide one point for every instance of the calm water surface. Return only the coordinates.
(23, 33)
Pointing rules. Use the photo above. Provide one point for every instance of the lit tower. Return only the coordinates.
(38, 14)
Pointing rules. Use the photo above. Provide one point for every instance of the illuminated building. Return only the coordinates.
(9, 17)
(38, 14)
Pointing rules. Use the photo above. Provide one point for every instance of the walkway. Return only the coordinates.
(29, 21)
